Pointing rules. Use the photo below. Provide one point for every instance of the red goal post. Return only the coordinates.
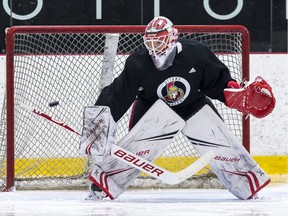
(65, 63)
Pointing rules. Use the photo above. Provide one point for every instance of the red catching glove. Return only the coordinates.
(255, 98)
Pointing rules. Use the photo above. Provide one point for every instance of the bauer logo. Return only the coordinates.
(226, 159)
(138, 162)
(174, 90)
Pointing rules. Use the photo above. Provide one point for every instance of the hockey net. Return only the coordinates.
(69, 64)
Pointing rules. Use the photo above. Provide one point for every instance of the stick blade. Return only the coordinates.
(195, 167)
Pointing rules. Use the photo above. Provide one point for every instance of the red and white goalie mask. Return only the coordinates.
(160, 39)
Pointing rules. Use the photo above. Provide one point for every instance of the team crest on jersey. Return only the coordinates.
(173, 90)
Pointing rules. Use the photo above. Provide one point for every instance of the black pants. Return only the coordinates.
(141, 106)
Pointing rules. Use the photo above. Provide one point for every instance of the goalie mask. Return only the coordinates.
(160, 39)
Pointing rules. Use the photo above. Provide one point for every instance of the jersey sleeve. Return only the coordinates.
(121, 93)
(215, 76)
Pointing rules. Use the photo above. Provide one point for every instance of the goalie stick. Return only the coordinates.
(129, 157)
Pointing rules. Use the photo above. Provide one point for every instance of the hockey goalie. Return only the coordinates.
(170, 83)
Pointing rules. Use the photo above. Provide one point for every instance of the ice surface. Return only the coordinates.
(273, 200)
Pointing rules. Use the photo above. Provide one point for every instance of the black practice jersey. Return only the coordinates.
(195, 73)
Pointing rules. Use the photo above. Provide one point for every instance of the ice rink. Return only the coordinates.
(272, 200)
(268, 137)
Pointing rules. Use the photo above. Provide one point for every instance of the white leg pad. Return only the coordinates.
(147, 139)
(234, 166)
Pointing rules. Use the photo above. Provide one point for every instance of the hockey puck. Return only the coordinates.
(54, 103)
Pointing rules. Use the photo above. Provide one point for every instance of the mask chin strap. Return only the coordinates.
(164, 61)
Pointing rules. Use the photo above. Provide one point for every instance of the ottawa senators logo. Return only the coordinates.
(173, 90)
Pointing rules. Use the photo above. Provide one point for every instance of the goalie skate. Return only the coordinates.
(95, 193)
